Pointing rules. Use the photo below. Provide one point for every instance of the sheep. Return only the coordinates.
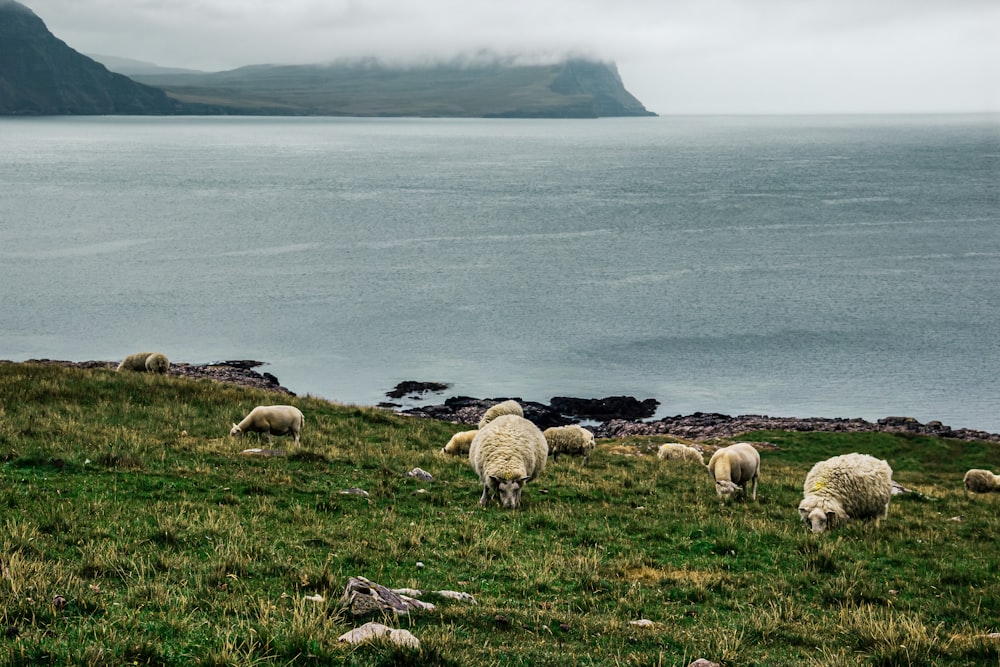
(573, 440)
(459, 443)
(506, 454)
(676, 451)
(981, 481)
(272, 420)
(734, 468)
(845, 487)
(509, 407)
(150, 362)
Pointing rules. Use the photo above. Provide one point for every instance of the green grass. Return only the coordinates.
(123, 494)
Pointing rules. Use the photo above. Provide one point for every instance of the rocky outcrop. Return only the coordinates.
(604, 409)
(40, 74)
(704, 425)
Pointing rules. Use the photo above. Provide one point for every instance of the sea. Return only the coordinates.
(795, 266)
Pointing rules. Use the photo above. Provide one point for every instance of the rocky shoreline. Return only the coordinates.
(610, 417)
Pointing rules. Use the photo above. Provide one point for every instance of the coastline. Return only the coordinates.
(466, 410)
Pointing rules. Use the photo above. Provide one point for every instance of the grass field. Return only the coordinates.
(132, 532)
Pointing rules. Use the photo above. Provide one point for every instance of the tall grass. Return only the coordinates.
(123, 496)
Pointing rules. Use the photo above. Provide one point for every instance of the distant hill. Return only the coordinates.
(40, 74)
(571, 89)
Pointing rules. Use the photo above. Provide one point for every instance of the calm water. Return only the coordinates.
(822, 266)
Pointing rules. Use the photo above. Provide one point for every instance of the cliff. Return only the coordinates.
(40, 74)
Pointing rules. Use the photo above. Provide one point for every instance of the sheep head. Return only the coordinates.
(819, 514)
(727, 490)
(508, 489)
(236, 431)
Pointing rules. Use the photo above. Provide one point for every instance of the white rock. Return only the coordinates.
(377, 631)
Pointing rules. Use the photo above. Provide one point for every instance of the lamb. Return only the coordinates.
(734, 468)
(845, 487)
(676, 451)
(573, 440)
(148, 362)
(981, 481)
(459, 443)
(272, 420)
(505, 408)
(506, 454)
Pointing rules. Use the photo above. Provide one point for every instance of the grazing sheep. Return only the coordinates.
(506, 454)
(845, 487)
(459, 443)
(504, 408)
(981, 481)
(272, 420)
(145, 362)
(734, 468)
(676, 451)
(573, 440)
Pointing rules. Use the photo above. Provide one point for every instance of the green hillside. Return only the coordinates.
(572, 89)
(134, 532)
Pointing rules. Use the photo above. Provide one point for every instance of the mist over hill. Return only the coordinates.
(42, 75)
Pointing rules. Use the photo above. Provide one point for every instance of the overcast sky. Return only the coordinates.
(676, 56)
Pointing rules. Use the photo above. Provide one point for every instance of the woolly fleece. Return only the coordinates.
(734, 468)
(845, 487)
(573, 440)
(676, 451)
(506, 454)
(459, 443)
(505, 408)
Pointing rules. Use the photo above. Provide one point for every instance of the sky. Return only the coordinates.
(675, 56)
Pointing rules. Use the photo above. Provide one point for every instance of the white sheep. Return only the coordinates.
(459, 443)
(734, 468)
(573, 440)
(845, 487)
(149, 362)
(272, 420)
(506, 454)
(676, 451)
(509, 407)
(981, 481)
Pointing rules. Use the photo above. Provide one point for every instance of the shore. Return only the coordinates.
(465, 410)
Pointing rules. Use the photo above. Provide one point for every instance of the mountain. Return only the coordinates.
(39, 74)
(571, 89)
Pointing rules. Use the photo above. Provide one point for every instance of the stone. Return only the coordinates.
(413, 387)
(418, 473)
(363, 597)
(378, 632)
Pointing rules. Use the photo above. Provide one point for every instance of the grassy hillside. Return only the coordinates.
(124, 496)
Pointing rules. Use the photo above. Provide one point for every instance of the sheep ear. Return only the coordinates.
(235, 424)
(494, 480)
(523, 480)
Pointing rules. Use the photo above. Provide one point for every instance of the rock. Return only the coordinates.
(642, 623)
(378, 632)
(257, 451)
(414, 387)
(420, 474)
(363, 597)
(354, 492)
(702, 662)
(604, 409)
(457, 595)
